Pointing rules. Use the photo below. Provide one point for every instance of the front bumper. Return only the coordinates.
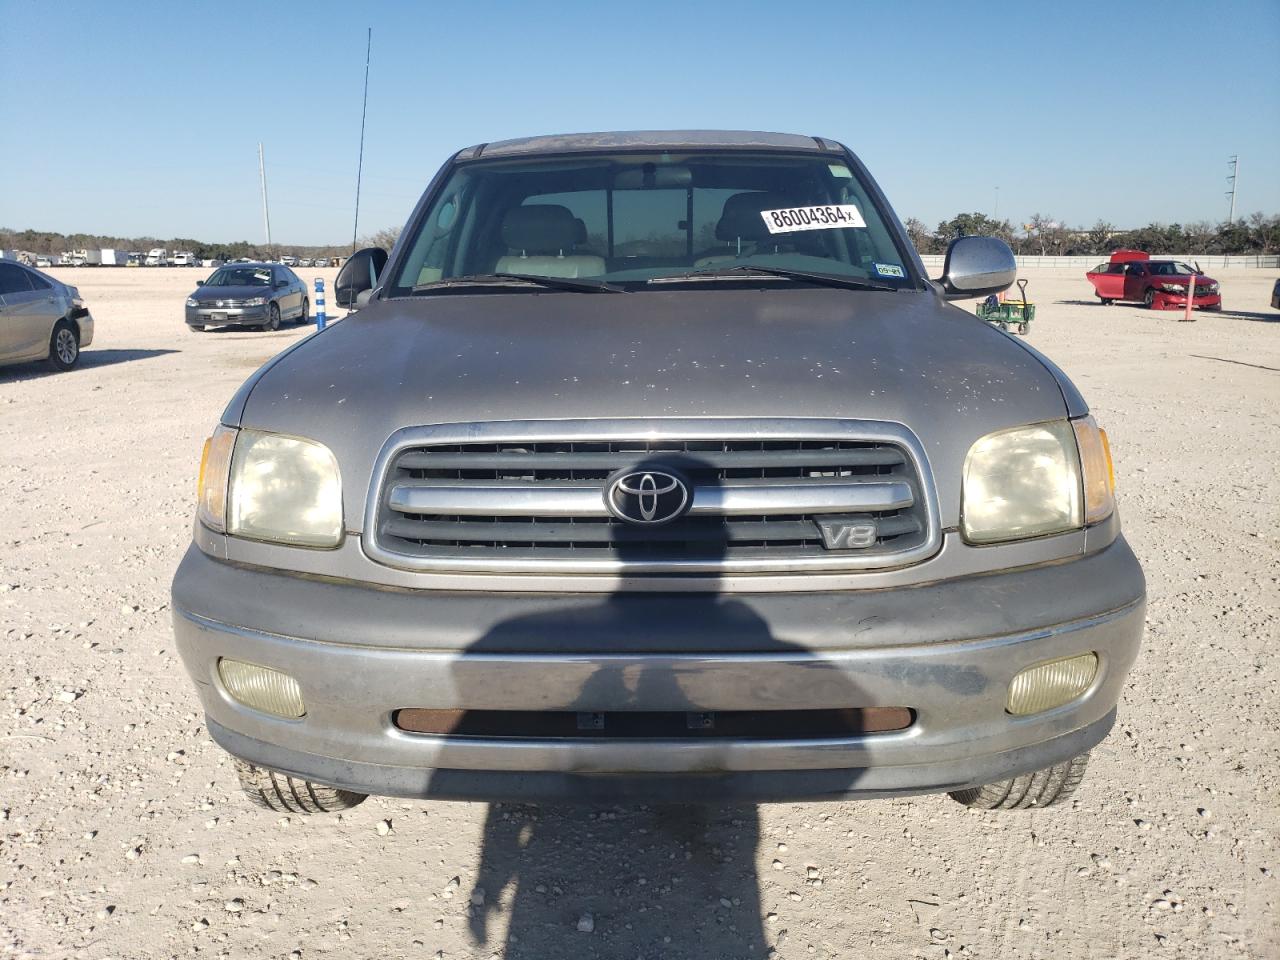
(226, 316)
(84, 320)
(1169, 301)
(947, 650)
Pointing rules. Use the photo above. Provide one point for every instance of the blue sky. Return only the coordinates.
(143, 118)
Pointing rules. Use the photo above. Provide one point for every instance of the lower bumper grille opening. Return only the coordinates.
(653, 724)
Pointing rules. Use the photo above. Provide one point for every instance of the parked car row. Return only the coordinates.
(156, 257)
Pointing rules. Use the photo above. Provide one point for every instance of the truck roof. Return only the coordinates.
(649, 140)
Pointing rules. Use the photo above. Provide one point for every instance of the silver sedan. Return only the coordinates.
(41, 318)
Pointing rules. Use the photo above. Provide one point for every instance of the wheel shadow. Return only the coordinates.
(90, 359)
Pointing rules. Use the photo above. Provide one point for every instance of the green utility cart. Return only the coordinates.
(1008, 314)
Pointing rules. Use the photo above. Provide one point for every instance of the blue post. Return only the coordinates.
(319, 303)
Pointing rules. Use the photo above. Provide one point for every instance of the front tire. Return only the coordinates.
(305, 315)
(282, 793)
(1149, 299)
(196, 327)
(1039, 788)
(1106, 301)
(273, 317)
(64, 345)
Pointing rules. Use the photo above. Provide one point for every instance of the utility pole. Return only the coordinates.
(262, 176)
(996, 215)
(1234, 180)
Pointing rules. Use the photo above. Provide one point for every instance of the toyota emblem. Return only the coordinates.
(647, 496)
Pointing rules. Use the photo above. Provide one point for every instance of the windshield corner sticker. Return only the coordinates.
(830, 217)
(890, 270)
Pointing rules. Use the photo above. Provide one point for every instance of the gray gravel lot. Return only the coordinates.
(124, 834)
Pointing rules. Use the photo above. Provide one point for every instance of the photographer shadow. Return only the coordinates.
(663, 866)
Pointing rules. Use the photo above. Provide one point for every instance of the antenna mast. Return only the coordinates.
(1234, 180)
(360, 164)
(262, 176)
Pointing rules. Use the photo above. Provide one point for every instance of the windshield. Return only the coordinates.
(240, 277)
(1172, 269)
(632, 218)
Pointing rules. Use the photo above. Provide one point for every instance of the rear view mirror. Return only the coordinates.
(650, 176)
(977, 267)
(359, 274)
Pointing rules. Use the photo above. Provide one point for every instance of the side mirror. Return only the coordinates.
(199, 283)
(977, 267)
(359, 274)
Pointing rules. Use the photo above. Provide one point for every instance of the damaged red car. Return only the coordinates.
(1160, 284)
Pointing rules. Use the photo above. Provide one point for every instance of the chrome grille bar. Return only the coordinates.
(491, 499)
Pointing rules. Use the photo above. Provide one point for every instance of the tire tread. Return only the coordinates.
(281, 793)
(1039, 788)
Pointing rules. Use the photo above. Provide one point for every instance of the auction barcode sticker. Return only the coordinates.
(830, 217)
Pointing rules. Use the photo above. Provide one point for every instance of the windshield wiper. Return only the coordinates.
(747, 270)
(517, 280)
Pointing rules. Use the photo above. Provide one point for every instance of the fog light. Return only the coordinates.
(1051, 684)
(262, 688)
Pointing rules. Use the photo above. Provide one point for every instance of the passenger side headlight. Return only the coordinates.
(1037, 480)
(264, 486)
(1020, 483)
(192, 302)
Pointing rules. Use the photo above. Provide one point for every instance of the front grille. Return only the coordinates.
(224, 304)
(1203, 291)
(757, 505)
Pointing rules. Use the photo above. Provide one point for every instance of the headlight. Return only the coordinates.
(264, 486)
(1174, 287)
(1037, 480)
(192, 302)
(1213, 288)
(1020, 483)
(256, 302)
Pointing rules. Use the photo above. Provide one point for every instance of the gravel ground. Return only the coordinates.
(124, 834)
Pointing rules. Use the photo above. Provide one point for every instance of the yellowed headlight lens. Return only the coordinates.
(286, 490)
(1098, 474)
(1019, 483)
(262, 688)
(1051, 684)
(215, 471)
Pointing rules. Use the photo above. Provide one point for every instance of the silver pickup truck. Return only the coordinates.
(653, 466)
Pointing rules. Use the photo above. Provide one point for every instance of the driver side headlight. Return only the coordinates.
(1037, 480)
(265, 486)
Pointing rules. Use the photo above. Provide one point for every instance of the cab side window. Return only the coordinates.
(13, 280)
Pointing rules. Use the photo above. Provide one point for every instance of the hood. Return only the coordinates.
(904, 357)
(230, 293)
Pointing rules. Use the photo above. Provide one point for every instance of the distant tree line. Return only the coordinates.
(50, 242)
(1255, 234)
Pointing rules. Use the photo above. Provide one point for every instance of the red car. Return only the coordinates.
(1160, 284)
